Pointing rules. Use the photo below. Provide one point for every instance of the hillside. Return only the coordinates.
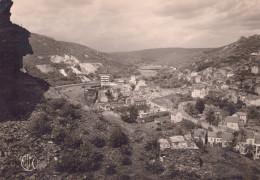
(231, 54)
(60, 62)
(162, 56)
(186, 57)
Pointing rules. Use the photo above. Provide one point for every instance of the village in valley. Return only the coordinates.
(131, 90)
(219, 104)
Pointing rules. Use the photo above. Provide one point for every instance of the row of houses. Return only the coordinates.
(224, 139)
(204, 91)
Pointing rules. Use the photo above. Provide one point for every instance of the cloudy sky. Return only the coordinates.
(124, 25)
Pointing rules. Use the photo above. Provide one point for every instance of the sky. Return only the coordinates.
(126, 25)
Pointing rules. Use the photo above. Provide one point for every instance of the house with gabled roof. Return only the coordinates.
(176, 116)
(257, 89)
(214, 138)
(255, 68)
(232, 122)
(242, 116)
(227, 138)
(199, 91)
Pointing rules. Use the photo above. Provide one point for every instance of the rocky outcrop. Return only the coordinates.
(14, 43)
(15, 96)
(5, 6)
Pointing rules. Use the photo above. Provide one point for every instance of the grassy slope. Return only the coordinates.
(18, 138)
(163, 56)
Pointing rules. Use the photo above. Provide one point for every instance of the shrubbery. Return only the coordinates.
(99, 142)
(57, 104)
(111, 169)
(118, 138)
(41, 125)
(126, 150)
(155, 168)
(70, 110)
(59, 136)
(79, 161)
(126, 161)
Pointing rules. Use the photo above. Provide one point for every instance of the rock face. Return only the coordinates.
(14, 45)
(5, 6)
(14, 42)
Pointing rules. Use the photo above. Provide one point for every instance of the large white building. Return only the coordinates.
(199, 91)
(255, 69)
(105, 80)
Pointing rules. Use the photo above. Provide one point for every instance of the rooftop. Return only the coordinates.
(164, 144)
(199, 86)
(177, 139)
(241, 113)
(227, 136)
(257, 139)
(232, 119)
(199, 133)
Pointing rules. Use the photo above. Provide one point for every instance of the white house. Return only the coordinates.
(193, 74)
(230, 74)
(133, 80)
(199, 91)
(198, 79)
(214, 138)
(242, 116)
(176, 116)
(255, 69)
(257, 89)
(224, 87)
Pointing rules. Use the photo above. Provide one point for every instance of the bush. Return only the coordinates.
(126, 150)
(111, 169)
(127, 119)
(118, 138)
(73, 142)
(56, 104)
(125, 177)
(188, 125)
(70, 110)
(99, 142)
(79, 161)
(200, 106)
(151, 145)
(155, 168)
(40, 125)
(191, 110)
(126, 161)
(59, 136)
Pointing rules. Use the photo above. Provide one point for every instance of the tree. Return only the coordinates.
(231, 109)
(133, 113)
(249, 151)
(109, 95)
(210, 117)
(206, 138)
(200, 106)
(191, 110)
(118, 138)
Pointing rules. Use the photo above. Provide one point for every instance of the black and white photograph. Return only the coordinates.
(129, 89)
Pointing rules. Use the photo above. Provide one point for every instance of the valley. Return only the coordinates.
(165, 113)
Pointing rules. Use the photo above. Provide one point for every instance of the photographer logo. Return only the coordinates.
(29, 162)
